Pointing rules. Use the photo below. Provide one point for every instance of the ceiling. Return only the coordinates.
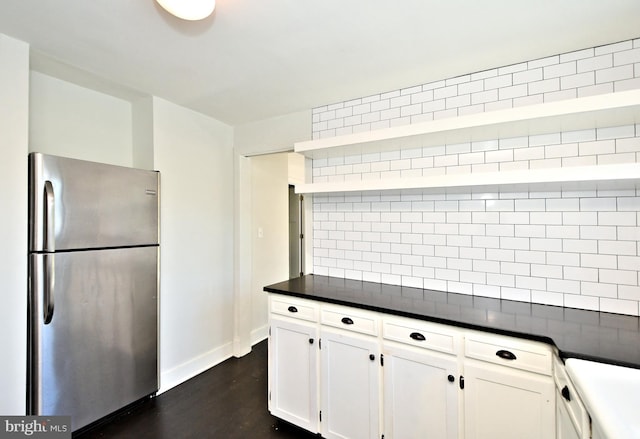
(255, 59)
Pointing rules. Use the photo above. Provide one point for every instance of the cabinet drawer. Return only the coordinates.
(569, 397)
(508, 351)
(296, 308)
(350, 319)
(421, 334)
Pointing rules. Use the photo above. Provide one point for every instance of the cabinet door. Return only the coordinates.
(505, 403)
(350, 386)
(565, 428)
(293, 373)
(420, 394)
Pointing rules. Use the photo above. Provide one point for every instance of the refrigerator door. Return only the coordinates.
(98, 351)
(75, 204)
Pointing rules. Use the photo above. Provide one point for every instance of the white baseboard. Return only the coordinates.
(193, 367)
(197, 365)
(257, 335)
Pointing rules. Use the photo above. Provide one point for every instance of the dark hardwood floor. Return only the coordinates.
(228, 401)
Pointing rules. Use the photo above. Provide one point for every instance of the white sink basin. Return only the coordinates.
(611, 395)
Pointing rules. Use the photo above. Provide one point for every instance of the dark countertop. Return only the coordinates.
(589, 335)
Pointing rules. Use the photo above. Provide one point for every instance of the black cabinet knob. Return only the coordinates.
(310, 341)
(372, 357)
(451, 378)
(506, 355)
(347, 321)
(565, 393)
(292, 309)
(417, 336)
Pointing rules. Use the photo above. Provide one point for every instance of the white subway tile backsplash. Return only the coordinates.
(599, 289)
(614, 47)
(619, 306)
(583, 302)
(577, 249)
(597, 204)
(562, 69)
(621, 277)
(501, 104)
(595, 63)
(597, 232)
(526, 76)
(617, 247)
(544, 86)
(578, 80)
(546, 271)
(485, 96)
(579, 54)
(445, 92)
(628, 84)
(499, 81)
(629, 292)
(514, 91)
(560, 95)
(597, 89)
(532, 99)
(486, 290)
(423, 96)
(615, 132)
(614, 74)
(581, 274)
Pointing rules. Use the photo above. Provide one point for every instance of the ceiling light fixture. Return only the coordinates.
(189, 9)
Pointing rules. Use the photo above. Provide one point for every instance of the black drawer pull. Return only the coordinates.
(506, 355)
(565, 393)
(417, 336)
(292, 309)
(347, 321)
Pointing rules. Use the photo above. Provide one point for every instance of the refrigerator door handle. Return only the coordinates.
(48, 287)
(49, 216)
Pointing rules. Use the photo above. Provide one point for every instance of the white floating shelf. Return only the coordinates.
(612, 109)
(603, 177)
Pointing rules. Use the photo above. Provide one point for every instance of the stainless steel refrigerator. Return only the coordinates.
(93, 287)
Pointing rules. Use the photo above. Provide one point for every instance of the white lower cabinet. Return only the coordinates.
(293, 373)
(572, 419)
(353, 374)
(350, 373)
(420, 394)
(421, 379)
(508, 388)
(565, 428)
(293, 361)
(503, 403)
(350, 377)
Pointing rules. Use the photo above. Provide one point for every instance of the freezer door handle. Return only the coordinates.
(49, 216)
(48, 287)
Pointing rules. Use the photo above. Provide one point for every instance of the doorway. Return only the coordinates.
(296, 234)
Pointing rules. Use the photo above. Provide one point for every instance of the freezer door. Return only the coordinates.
(98, 351)
(75, 204)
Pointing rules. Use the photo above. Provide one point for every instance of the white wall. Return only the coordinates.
(275, 134)
(265, 178)
(194, 154)
(73, 121)
(195, 157)
(270, 223)
(14, 117)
